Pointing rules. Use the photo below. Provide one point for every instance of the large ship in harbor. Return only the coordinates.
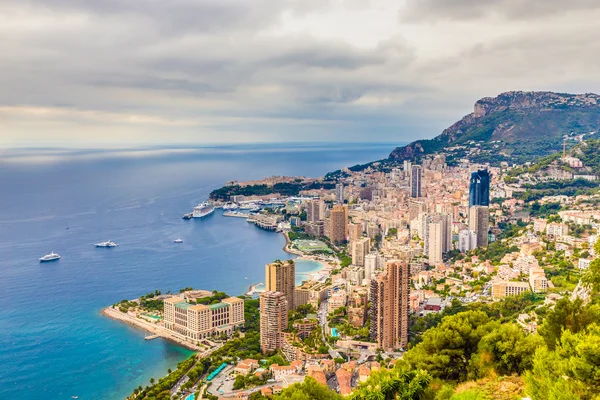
(203, 209)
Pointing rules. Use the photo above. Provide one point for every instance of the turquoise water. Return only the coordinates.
(54, 343)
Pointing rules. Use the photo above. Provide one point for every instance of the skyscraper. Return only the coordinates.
(479, 217)
(360, 248)
(281, 277)
(338, 224)
(415, 181)
(390, 297)
(435, 242)
(479, 188)
(315, 210)
(273, 320)
(339, 193)
(467, 240)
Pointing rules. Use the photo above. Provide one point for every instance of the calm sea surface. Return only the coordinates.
(54, 344)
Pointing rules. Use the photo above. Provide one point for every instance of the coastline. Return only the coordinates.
(153, 328)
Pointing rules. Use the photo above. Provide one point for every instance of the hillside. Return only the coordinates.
(514, 126)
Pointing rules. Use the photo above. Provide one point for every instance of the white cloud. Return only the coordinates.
(203, 71)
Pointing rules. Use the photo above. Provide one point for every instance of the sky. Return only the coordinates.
(86, 73)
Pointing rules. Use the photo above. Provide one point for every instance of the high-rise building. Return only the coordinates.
(360, 248)
(199, 321)
(338, 223)
(373, 264)
(281, 277)
(339, 193)
(415, 181)
(467, 240)
(390, 302)
(415, 208)
(435, 252)
(356, 231)
(273, 320)
(479, 188)
(479, 217)
(315, 210)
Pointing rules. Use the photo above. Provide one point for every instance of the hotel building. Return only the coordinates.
(198, 321)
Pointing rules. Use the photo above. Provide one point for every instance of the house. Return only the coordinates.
(266, 391)
(245, 367)
(280, 372)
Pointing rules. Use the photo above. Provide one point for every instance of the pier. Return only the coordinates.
(236, 214)
(150, 337)
(252, 289)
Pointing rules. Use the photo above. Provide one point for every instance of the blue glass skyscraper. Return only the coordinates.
(479, 188)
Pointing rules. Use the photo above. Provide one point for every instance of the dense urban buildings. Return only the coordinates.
(390, 296)
(199, 321)
(280, 276)
(479, 188)
(415, 181)
(273, 320)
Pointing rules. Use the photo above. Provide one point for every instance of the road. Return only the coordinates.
(325, 328)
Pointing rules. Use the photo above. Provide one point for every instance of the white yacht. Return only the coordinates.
(178, 240)
(50, 257)
(249, 206)
(203, 209)
(108, 243)
(230, 206)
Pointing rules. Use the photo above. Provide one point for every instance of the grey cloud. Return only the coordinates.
(423, 10)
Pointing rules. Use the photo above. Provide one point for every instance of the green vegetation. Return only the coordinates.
(397, 383)
(161, 389)
(284, 189)
(574, 187)
(571, 370)
(214, 299)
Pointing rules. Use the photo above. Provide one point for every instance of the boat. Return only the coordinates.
(108, 243)
(249, 206)
(203, 209)
(178, 240)
(229, 206)
(50, 257)
(187, 216)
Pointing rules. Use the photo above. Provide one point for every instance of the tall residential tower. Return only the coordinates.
(390, 302)
(280, 276)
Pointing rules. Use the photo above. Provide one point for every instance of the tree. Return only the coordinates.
(310, 389)
(570, 371)
(506, 350)
(397, 383)
(567, 315)
(446, 349)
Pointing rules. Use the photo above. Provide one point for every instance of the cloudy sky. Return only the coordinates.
(129, 72)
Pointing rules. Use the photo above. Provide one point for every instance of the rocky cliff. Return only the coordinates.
(522, 125)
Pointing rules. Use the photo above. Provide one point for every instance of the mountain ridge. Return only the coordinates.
(522, 125)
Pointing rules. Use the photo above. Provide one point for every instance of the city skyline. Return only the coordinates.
(89, 74)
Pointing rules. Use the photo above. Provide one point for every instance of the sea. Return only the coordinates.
(54, 344)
